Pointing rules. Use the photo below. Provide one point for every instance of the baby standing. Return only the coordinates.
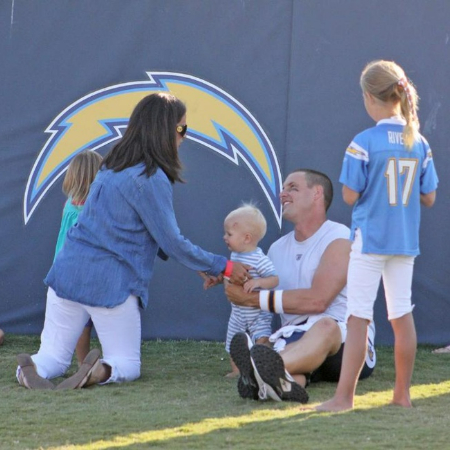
(244, 228)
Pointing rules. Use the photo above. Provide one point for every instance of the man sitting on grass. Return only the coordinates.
(312, 263)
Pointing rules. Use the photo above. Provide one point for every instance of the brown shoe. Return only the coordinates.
(81, 378)
(27, 375)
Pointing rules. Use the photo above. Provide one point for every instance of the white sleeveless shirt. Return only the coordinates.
(296, 263)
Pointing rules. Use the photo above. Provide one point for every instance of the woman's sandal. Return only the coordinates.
(81, 378)
(27, 375)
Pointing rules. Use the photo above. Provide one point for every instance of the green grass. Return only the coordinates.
(182, 401)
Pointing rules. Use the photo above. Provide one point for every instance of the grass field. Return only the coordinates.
(182, 401)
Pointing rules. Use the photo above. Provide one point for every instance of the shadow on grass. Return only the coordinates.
(183, 402)
(384, 426)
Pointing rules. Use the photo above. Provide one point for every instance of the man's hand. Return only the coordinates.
(240, 273)
(238, 296)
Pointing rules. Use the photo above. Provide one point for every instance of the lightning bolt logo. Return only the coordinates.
(216, 120)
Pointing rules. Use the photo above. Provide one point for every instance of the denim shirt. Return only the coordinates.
(110, 253)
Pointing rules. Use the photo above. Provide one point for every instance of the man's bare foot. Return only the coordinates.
(232, 375)
(334, 405)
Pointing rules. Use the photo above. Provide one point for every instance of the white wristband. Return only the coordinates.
(271, 301)
(264, 300)
(278, 304)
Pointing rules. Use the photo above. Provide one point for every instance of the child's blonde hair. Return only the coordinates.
(386, 81)
(80, 174)
(254, 221)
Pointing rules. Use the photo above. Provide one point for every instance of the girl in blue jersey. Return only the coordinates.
(77, 182)
(387, 173)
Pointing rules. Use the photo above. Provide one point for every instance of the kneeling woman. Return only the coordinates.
(104, 269)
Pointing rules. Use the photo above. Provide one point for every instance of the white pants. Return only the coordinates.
(118, 329)
(364, 274)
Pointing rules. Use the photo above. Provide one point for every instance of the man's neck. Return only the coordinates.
(304, 229)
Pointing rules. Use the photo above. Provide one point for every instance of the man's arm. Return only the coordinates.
(329, 279)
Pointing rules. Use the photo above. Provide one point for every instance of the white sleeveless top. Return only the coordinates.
(296, 263)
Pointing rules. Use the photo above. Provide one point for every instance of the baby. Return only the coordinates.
(244, 228)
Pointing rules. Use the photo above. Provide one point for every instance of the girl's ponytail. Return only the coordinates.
(408, 103)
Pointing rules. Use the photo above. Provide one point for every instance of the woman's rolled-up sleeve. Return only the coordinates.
(153, 201)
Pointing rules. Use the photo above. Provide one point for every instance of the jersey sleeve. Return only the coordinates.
(354, 167)
(428, 177)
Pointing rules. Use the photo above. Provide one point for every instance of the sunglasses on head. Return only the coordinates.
(182, 129)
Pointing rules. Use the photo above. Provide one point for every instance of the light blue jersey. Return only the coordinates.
(389, 179)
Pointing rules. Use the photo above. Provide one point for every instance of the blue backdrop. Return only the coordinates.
(287, 74)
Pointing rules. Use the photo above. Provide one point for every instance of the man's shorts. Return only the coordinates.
(330, 369)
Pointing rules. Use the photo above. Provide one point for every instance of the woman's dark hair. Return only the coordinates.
(150, 138)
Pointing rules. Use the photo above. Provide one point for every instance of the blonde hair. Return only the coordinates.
(252, 218)
(386, 81)
(80, 174)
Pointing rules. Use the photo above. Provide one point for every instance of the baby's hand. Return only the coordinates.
(210, 281)
(251, 285)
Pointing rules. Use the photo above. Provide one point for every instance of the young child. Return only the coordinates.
(77, 182)
(244, 228)
(388, 171)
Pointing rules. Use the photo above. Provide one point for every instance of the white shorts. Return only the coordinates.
(364, 273)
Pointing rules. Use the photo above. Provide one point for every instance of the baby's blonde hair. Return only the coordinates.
(386, 81)
(80, 174)
(251, 218)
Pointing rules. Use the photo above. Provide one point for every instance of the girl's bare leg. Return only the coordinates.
(405, 355)
(352, 363)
